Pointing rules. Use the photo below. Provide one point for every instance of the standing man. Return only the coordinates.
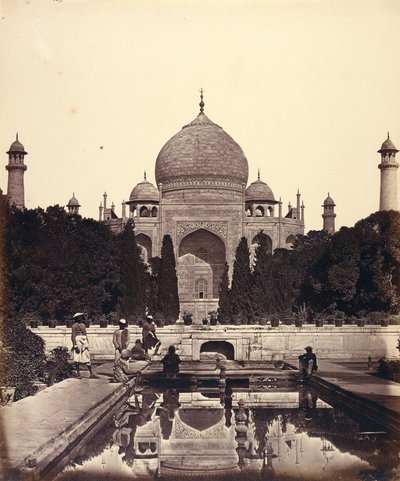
(80, 345)
(149, 338)
(146, 329)
(121, 338)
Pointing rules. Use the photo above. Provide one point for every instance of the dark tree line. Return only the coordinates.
(355, 272)
(59, 264)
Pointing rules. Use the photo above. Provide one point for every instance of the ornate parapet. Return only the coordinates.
(220, 228)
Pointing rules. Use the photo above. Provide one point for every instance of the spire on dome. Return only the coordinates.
(258, 176)
(145, 175)
(16, 137)
(201, 104)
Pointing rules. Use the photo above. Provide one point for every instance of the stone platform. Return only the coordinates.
(40, 429)
(354, 386)
(247, 343)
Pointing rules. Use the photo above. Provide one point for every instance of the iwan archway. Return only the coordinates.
(201, 260)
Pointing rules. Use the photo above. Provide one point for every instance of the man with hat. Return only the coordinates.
(80, 344)
(121, 338)
(307, 363)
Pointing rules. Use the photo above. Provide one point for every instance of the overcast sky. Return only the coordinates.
(95, 88)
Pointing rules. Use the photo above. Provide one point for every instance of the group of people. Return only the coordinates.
(139, 352)
(121, 341)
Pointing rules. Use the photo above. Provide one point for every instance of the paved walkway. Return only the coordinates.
(39, 428)
(355, 385)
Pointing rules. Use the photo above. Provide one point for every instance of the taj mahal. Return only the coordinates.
(202, 200)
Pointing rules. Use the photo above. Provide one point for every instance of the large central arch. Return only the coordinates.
(201, 260)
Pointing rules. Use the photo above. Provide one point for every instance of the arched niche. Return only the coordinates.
(220, 347)
(201, 254)
(259, 212)
(255, 242)
(144, 212)
(290, 240)
(146, 245)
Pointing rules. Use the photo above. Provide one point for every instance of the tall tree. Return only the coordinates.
(240, 294)
(310, 257)
(168, 299)
(343, 271)
(284, 281)
(224, 305)
(132, 303)
(261, 279)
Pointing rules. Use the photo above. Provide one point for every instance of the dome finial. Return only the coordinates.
(201, 101)
(16, 137)
(388, 136)
(145, 175)
(258, 176)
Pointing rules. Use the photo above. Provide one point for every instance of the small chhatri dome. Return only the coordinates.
(259, 191)
(329, 201)
(16, 147)
(144, 191)
(388, 145)
(73, 201)
(202, 153)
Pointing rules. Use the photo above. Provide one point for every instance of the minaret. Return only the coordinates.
(329, 215)
(388, 168)
(16, 169)
(73, 205)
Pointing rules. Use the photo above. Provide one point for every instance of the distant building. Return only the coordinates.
(73, 205)
(202, 202)
(388, 168)
(16, 169)
(329, 215)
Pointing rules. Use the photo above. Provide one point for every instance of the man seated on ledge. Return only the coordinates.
(171, 363)
(307, 363)
(137, 352)
(121, 368)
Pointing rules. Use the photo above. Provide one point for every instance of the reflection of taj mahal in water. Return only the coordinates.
(202, 202)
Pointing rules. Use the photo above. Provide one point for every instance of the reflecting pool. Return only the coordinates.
(234, 432)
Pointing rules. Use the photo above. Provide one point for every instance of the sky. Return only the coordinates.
(95, 88)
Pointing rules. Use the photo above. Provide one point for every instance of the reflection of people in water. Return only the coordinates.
(228, 403)
(127, 421)
(308, 401)
(166, 411)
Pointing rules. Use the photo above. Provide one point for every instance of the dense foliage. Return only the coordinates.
(353, 273)
(60, 264)
(356, 271)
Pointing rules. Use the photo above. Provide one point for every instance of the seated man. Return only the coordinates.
(121, 368)
(137, 352)
(307, 363)
(171, 363)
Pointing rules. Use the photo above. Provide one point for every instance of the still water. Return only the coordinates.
(234, 433)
